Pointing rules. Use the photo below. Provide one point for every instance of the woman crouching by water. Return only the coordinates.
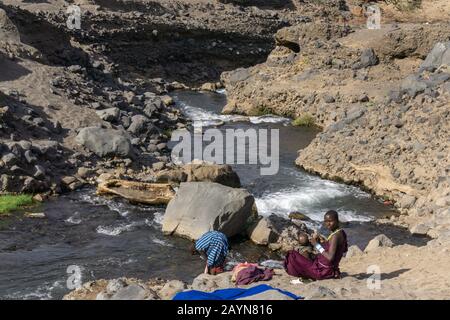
(326, 264)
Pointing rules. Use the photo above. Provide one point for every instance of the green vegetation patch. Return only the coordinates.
(305, 120)
(13, 202)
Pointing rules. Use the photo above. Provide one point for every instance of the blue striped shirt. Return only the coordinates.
(215, 246)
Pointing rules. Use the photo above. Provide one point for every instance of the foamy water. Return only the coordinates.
(116, 230)
(308, 200)
(208, 118)
(44, 292)
(304, 193)
(118, 207)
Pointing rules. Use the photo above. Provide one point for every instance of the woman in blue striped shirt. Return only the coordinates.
(214, 245)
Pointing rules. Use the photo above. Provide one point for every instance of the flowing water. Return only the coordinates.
(110, 238)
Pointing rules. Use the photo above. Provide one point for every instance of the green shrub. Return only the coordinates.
(305, 120)
(13, 202)
(260, 111)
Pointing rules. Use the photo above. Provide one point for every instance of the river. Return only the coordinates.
(110, 238)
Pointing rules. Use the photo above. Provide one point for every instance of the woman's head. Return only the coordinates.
(331, 220)
(303, 239)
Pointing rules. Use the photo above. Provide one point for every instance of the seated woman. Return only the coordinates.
(214, 245)
(326, 264)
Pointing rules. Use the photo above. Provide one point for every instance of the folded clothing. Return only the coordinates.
(252, 274)
(239, 267)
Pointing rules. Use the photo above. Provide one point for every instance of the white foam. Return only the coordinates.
(221, 91)
(161, 242)
(208, 118)
(269, 119)
(112, 205)
(308, 199)
(43, 292)
(116, 230)
(158, 217)
(74, 219)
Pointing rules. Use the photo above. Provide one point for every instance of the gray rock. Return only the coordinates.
(39, 172)
(368, 58)
(26, 145)
(420, 229)
(354, 113)
(75, 69)
(262, 232)
(413, 85)
(110, 114)
(152, 148)
(161, 146)
(239, 75)
(30, 157)
(439, 55)
(199, 207)
(138, 124)
(443, 201)
(10, 159)
(377, 242)
(171, 288)
(208, 283)
(353, 251)
(407, 201)
(321, 292)
(83, 172)
(105, 142)
(115, 285)
(223, 174)
(132, 292)
(158, 165)
(329, 98)
(16, 170)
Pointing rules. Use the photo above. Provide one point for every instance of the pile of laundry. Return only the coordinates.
(247, 273)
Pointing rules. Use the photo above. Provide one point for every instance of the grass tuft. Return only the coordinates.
(13, 202)
(305, 120)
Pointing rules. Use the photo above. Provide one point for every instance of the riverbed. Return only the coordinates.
(110, 238)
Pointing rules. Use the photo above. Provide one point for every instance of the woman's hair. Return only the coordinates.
(333, 215)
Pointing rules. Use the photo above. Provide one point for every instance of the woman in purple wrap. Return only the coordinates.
(331, 250)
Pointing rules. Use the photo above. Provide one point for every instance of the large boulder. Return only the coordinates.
(222, 174)
(110, 114)
(262, 232)
(199, 207)
(378, 242)
(439, 56)
(105, 142)
(8, 31)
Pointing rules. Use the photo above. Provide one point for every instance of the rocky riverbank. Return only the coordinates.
(406, 272)
(382, 99)
(65, 92)
(79, 104)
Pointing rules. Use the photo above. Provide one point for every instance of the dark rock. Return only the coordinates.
(329, 98)
(106, 142)
(39, 172)
(30, 157)
(368, 58)
(10, 159)
(138, 124)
